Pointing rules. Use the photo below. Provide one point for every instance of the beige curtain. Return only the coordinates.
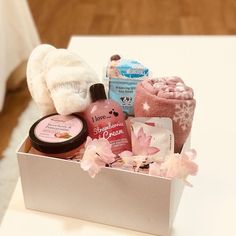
(18, 36)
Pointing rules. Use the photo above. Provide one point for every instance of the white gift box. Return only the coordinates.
(114, 197)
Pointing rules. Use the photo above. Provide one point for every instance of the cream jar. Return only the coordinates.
(58, 136)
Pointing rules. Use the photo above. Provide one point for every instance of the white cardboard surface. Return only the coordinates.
(114, 197)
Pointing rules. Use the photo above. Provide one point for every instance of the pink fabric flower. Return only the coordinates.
(180, 165)
(126, 154)
(133, 162)
(155, 169)
(141, 144)
(128, 162)
(97, 154)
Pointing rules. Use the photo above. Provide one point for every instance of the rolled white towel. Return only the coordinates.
(68, 78)
(59, 80)
(36, 79)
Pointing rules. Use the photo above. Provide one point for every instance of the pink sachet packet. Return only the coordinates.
(152, 136)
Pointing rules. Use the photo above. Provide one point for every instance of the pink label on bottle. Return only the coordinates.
(115, 133)
(57, 128)
(105, 120)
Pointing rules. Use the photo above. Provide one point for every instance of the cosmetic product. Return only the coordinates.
(105, 119)
(58, 136)
(123, 76)
(152, 136)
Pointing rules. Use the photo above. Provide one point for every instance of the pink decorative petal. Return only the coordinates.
(191, 154)
(141, 144)
(126, 154)
(153, 150)
(155, 169)
(89, 140)
(180, 165)
(97, 154)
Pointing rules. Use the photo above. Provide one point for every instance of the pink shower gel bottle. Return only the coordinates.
(105, 119)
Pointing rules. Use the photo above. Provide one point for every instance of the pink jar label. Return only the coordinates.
(57, 128)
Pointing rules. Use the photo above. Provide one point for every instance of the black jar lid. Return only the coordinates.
(60, 146)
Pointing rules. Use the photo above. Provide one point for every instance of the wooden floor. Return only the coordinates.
(57, 20)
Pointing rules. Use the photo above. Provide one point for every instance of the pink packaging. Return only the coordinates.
(152, 136)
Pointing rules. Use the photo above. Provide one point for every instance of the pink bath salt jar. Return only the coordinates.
(58, 136)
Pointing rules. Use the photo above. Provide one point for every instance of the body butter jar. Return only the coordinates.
(58, 136)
